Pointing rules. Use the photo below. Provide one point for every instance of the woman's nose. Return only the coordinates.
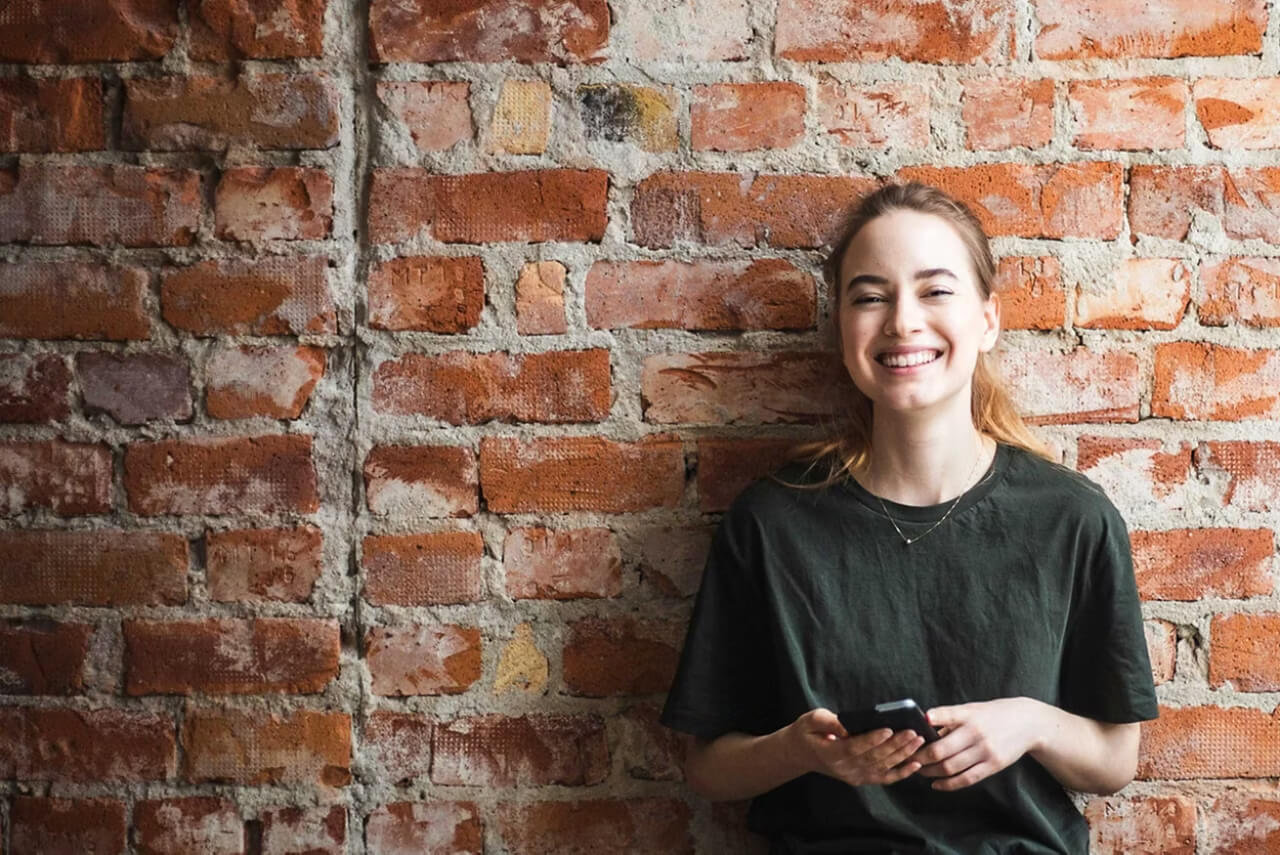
(904, 317)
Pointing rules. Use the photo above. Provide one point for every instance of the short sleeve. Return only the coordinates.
(1106, 670)
(721, 680)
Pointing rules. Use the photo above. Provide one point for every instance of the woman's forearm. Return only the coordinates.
(1084, 754)
(740, 766)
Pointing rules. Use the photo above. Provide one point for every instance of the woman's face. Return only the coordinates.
(912, 317)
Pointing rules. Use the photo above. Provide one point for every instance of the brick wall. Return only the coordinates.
(373, 373)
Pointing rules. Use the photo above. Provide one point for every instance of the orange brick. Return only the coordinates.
(620, 656)
(1244, 823)
(817, 31)
(1197, 380)
(52, 826)
(598, 825)
(706, 31)
(93, 568)
(264, 565)
(51, 115)
(410, 828)
(422, 480)
(1251, 471)
(1163, 200)
(248, 381)
(875, 116)
(235, 29)
(43, 658)
(264, 296)
(746, 116)
(1081, 385)
(726, 466)
(559, 31)
(34, 388)
(88, 31)
(1086, 29)
(540, 299)
(1162, 648)
(262, 203)
(1031, 293)
(83, 746)
(521, 121)
(73, 300)
(1141, 113)
(1210, 742)
(1004, 112)
(253, 748)
(1194, 563)
(435, 113)
(1143, 294)
(1242, 651)
(68, 478)
(423, 660)
(312, 830)
(398, 744)
(537, 749)
(1142, 826)
(722, 387)
(1241, 290)
(429, 293)
(1138, 474)
(424, 569)
(1239, 114)
(562, 565)
(204, 824)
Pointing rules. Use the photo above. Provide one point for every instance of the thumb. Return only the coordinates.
(944, 716)
(825, 721)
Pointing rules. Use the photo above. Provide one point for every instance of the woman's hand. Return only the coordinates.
(875, 757)
(978, 740)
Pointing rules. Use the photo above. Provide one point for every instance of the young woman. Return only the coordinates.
(946, 558)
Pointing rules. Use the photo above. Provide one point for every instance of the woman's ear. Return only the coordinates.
(991, 314)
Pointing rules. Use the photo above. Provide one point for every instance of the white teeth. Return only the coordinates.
(906, 360)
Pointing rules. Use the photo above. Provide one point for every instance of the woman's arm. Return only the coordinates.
(740, 766)
(1084, 754)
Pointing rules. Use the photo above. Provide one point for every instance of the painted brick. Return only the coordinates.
(264, 296)
(1164, 199)
(276, 382)
(647, 749)
(1031, 293)
(34, 387)
(485, 207)
(134, 388)
(559, 474)
(521, 121)
(68, 478)
(398, 745)
(264, 565)
(559, 31)
(1239, 114)
(543, 563)
(643, 116)
(253, 748)
(1143, 294)
(1140, 113)
(40, 657)
(1162, 649)
(462, 387)
(426, 828)
(93, 568)
(100, 205)
(81, 746)
(1150, 825)
(723, 387)
(1006, 112)
(1242, 652)
(282, 203)
(1249, 472)
(1139, 475)
(51, 115)
(304, 830)
(53, 31)
(435, 113)
(1243, 823)
(440, 294)
(235, 29)
(746, 116)
(598, 825)
(1198, 380)
(73, 300)
(1191, 564)
(176, 826)
(423, 660)
(424, 569)
(221, 475)
(817, 31)
(670, 558)
(875, 116)
(522, 666)
(726, 466)
(620, 656)
(1240, 290)
(1081, 385)
(744, 294)
(270, 111)
(706, 31)
(540, 299)
(1088, 29)
(230, 656)
(423, 480)
(538, 749)
(1210, 742)
(54, 826)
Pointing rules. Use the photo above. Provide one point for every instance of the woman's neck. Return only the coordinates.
(926, 463)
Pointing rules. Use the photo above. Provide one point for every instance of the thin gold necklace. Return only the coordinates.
(910, 540)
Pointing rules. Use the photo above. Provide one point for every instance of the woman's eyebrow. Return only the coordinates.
(871, 279)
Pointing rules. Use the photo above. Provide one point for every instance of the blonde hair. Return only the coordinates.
(847, 448)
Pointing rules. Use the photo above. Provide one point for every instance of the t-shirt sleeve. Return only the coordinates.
(721, 680)
(1106, 670)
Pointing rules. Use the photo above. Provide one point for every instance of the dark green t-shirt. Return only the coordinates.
(809, 598)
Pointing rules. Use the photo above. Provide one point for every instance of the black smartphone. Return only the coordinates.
(895, 715)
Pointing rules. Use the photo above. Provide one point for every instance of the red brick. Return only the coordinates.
(540, 298)
(726, 466)
(1239, 113)
(562, 565)
(99, 205)
(559, 474)
(486, 207)
(398, 745)
(67, 478)
(1164, 199)
(60, 31)
(1031, 293)
(73, 300)
(429, 293)
(426, 828)
(647, 749)
(264, 565)
(1194, 563)
(1242, 651)
(1247, 472)
(1199, 380)
(641, 116)
(252, 748)
(879, 115)
(51, 115)
(1081, 385)
(1086, 29)
(706, 31)
(34, 387)
(249, 381)
(1005, 112)
(230, 656)
(234, 29)
(93, 568)
(599, 825)
(134, 388)
(670, 558)
(1139, 113)
(304, 831)
(423, 660)
(1243, 823)
(435, 113)
(176, 826)
(728, 830)
(211, 475)
(1240, 290)
(423, 480)
(767, 293)
(1051, 200)
(50, 826)
(462, 387)
(719, 208)
(1143, 294)
(270, 111)
(67, 745)
(260, 203)
(1210, 742)
(265, 296)
(746, 116)
(41, 657)
(1162, 648)
(817, 31)
(1142, 826)
(537, 749)
(722, 387)
(424, 569)
(620, 656)
(559, 31)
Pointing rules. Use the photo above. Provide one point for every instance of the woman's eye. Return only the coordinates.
(938, 292)
(867, 298)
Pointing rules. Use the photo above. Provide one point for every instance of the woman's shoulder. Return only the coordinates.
(1044, 485)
